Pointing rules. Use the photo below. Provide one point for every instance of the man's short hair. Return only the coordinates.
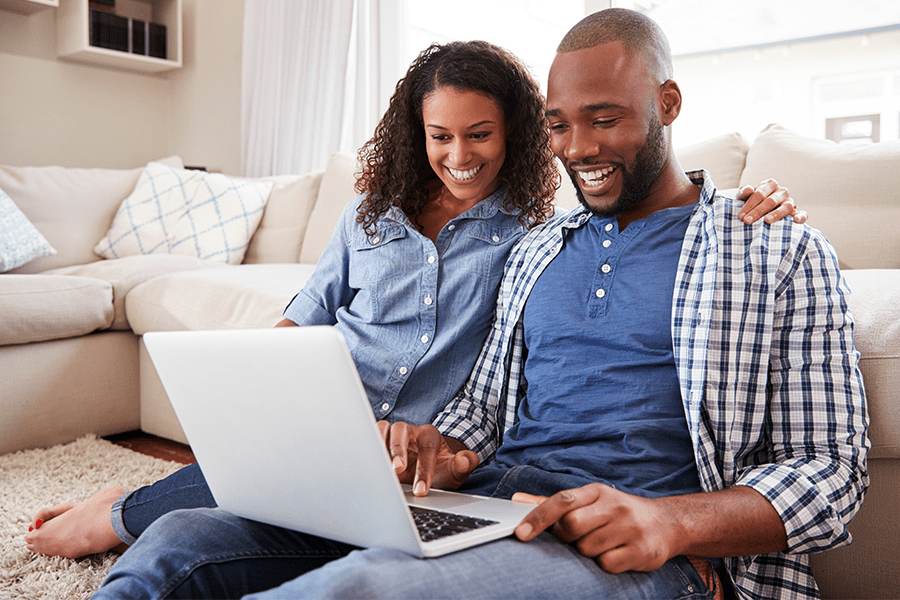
(636, 31)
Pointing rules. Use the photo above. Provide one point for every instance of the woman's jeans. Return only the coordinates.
(136, 511)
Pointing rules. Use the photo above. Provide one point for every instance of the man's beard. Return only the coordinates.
(637, 182)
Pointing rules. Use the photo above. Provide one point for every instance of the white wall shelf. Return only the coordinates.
(26, 7)
(73, 35)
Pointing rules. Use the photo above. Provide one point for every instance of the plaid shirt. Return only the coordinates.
(769, 377)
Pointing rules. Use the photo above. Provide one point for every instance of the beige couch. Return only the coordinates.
(70, 323)
(82, 369)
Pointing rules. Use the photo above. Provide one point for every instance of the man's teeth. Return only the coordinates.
(465, 174)
(596, 177)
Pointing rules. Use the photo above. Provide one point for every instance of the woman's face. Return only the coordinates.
(465, 138)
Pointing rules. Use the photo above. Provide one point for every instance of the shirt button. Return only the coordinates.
(606, 268)
(607, 243)
(496, 238)
(608, 227)
(404, 370)
(428, 300)
(375, 240)
(431, 259)
(424, 339)
(451, 227)
(385, 406)
(600, 293)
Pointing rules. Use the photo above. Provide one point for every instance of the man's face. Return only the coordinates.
(605, 127)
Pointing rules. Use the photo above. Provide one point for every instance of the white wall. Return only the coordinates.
(80, 115)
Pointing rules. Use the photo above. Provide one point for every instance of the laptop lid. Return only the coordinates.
(282, 428)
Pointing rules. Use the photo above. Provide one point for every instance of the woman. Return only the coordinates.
(458, 169)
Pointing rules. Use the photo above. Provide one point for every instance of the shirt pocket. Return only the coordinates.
(492, 244)
(384, 269)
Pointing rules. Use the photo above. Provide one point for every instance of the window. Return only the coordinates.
(854, 130)
(741, 64)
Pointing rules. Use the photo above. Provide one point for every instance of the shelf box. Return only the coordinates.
(73, 38)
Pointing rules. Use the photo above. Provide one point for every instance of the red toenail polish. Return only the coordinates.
(38, 523)
(30, 528)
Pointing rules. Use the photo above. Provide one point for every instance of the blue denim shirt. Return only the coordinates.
(414, 312)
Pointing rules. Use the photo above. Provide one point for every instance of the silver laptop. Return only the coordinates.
(281, 426)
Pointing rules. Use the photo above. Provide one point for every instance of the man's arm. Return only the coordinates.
(624, 532)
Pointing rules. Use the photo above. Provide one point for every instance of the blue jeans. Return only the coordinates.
(136, 511)
(210, 553)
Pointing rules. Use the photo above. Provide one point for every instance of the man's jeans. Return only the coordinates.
(209, 553)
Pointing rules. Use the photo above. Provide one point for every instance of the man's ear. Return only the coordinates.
(670, 101)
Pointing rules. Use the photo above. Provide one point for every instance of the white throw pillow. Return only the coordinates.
(20, 242)
(181, 211)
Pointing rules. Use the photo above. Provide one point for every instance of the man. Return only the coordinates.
(681, 387)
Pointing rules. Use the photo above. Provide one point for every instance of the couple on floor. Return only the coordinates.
(673, 381)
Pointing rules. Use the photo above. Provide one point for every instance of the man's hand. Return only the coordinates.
(424, 458)
(624, 532)
(770, 200)
(620, 531)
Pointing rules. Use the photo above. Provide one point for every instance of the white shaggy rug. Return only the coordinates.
(32, 479)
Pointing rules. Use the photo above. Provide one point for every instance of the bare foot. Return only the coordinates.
(73, 530)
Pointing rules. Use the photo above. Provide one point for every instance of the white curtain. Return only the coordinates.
(316, 78)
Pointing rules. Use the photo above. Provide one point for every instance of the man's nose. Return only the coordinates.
(580, 144)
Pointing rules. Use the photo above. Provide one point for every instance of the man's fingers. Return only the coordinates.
(552, 510)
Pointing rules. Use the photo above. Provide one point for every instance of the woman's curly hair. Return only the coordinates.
(395, 167)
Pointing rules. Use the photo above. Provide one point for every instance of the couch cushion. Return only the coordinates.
(20, 242)
(192, 213)
(131, 271)
(280, 233)
(235, 297)
(875, 305)
(723, 156)
(850, 192)
(34, 308)
(336, 191)
(71, 207)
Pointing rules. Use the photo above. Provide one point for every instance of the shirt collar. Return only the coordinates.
(485, 209)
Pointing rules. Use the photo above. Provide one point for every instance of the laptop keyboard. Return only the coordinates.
(434, 524)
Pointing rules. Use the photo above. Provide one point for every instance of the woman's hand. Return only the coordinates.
(769, 200)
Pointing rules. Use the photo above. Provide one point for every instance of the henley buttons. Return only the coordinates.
(608, 227)
(607, 243)
(601, 292)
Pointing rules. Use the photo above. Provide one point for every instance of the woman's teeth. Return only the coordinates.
(463, 175)
(596, 177)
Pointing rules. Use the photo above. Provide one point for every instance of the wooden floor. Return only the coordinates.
(154, 446)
